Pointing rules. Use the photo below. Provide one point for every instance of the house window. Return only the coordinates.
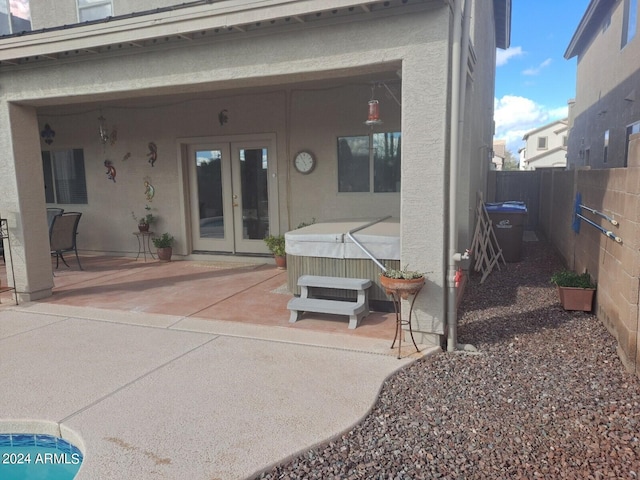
(631, 130)
(629, 21)
(606, 23)
(94, 9)
(15, 16)
(542, 143)
(369, 163)
(606, 147)
(64, 177)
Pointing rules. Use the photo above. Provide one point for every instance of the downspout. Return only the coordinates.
(459, 58)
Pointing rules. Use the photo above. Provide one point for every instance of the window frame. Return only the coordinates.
(53, 182)
(373, 167)
(628, 132)
(10, 17)
(629, 22)
(92, 5)
(546, 143)
(605, 153)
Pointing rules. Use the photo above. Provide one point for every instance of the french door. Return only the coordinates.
(231, 184)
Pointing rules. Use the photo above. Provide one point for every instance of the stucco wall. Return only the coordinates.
(107, 225)
(227, 72)
(47, 13)
(615, 266)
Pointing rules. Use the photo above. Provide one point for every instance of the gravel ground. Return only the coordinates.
(545, 397)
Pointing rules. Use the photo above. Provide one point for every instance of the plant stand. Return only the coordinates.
(144, 247)
(398, 290)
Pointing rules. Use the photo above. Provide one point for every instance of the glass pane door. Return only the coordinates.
(251, 192)
(211, 215)
(230, 184)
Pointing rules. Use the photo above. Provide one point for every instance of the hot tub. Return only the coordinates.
(326, 249)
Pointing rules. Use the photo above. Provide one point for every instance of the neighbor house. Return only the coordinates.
(198, 110)
(606, 110)
(604, 158)
(499, 154)
(545, 146)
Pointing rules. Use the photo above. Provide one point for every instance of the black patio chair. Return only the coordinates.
(52, 212)
(63, 236)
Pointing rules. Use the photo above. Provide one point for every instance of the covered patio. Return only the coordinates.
(253, 294)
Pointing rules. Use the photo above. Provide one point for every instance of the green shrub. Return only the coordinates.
(402, 273)
(567, 278)
(275, 244)
(163, 241)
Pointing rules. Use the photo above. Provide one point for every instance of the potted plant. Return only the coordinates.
(145, 220)
(164, 245)
(575, 290)
(403, 282)
(275, 244)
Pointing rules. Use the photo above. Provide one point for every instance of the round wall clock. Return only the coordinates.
(304, 162)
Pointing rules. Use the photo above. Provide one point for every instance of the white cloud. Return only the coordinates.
(514, 116)
(503, 56)
(538, 69)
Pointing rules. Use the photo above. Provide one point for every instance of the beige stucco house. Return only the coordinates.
(606, 110)
(545, 146)
(198, 110)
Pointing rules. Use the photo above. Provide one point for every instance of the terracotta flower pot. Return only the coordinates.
(573, 298)
(403, 287)
(164, 254)
(281, 262)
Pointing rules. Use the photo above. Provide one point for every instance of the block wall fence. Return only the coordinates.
(614, 266)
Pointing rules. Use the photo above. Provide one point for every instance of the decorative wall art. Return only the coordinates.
(153, 153)
(47, 134)
(149, 190)
(126, 156)
(103, 131)
(111, 170)
(223, 117)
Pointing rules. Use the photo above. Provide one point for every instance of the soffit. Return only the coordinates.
(502, 12)
(588, 26)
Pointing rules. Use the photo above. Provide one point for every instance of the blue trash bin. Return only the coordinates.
(508, 220)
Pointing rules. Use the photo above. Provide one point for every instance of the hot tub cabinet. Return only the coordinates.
(325, 249)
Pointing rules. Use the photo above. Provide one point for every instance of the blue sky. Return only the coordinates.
(533, 80)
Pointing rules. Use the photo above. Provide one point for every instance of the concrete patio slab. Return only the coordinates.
(228, 409)
(53, 371)
(186, 370)
(13, 323)
(184, 397)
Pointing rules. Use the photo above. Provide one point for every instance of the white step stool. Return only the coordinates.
(306, 303)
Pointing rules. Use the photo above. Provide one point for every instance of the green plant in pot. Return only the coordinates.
(576, 290)
(164, 246)
(145, 220)
(403, 282)
(276, 245)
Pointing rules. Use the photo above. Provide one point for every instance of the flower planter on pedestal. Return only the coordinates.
(573, 298)
(403, 287)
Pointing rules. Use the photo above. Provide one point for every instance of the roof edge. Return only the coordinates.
(585, 27)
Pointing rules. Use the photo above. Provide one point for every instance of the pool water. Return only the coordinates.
(37, 457)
